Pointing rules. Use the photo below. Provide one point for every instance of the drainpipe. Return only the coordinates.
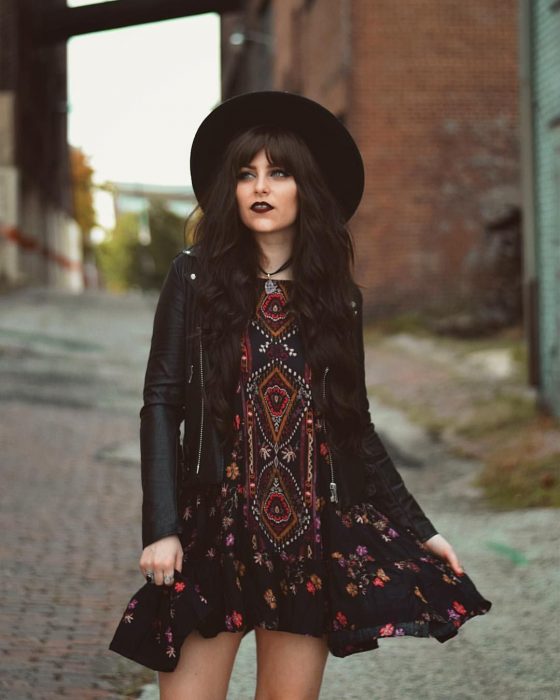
(528, 184)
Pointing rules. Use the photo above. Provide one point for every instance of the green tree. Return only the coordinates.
(126, 262)
(82, 184)
(166, 240)
(118, 255)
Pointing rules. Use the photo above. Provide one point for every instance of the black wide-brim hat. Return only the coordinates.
(328, 139)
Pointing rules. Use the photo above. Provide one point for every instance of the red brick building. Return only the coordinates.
(429, 90)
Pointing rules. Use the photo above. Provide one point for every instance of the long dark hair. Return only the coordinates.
(322, 289)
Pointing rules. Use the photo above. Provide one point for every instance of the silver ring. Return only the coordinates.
(168, 579)
(149, 576)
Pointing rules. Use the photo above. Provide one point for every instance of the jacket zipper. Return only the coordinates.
(201, 405)
(332, 485)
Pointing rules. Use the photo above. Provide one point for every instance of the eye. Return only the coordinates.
(280, 172)
(244, 174)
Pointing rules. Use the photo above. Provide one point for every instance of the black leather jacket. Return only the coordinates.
(174, 395)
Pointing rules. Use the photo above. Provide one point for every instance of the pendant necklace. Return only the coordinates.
(270, 284)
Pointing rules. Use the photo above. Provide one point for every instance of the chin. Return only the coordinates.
(263, 229)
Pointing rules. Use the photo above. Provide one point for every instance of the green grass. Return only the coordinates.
(504, 412)
(415, 324)
(522, 483)
(503, 422)
(511, 477)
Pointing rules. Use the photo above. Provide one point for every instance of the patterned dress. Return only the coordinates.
(269, 549)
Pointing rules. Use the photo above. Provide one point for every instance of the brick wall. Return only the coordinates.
(314, 49)
(429, 90)
(434, 110)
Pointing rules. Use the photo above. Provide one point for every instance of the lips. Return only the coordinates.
(261, 207)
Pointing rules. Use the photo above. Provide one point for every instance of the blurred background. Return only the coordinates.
(456, 109)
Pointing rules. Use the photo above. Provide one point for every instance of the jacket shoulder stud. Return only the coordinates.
(193, 275)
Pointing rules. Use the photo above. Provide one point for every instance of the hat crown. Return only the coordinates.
(329, 141)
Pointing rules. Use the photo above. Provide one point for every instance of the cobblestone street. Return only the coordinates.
(71, 373)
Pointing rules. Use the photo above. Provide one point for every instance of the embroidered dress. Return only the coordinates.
(269, 549)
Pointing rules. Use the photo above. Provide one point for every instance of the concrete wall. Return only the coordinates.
(9, 188)
(39, 239)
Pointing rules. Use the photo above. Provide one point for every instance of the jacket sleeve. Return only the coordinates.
(389, 494)
(162, 412)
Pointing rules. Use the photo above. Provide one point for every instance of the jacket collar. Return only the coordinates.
(191, 250)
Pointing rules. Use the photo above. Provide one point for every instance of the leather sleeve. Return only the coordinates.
(162, 412)
(389, 494)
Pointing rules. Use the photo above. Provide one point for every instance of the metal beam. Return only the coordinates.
(61, 24)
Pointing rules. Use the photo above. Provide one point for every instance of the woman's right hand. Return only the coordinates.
(160, 559)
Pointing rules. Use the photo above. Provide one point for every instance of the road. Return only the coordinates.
(71, 372)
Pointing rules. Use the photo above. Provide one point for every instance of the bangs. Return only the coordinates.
(281, 147)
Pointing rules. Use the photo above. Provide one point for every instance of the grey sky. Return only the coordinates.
(138, 94)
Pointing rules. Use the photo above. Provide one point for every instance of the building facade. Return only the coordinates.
(429, 90)
(40, 242)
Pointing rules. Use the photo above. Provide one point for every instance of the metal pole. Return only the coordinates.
(530, 232)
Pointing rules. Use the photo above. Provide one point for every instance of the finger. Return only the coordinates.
(179, 561)
(145, 565)
(147, 570)
(146, 562)
(454, 563)
(158, 577)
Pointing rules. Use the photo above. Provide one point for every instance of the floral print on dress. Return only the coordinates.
(267, 548)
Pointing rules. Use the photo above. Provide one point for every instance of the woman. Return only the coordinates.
(279, 510)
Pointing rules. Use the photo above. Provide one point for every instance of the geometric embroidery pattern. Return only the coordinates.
(279, 506)
(278, 396)
(271, 311)
(279, 451)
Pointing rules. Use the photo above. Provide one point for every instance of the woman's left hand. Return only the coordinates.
(438, 545)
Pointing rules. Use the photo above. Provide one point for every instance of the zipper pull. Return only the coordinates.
(334, 496)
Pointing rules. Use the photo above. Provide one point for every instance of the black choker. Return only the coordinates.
(269, 285)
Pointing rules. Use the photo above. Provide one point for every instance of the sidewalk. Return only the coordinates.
(71, 378)
(71, 372)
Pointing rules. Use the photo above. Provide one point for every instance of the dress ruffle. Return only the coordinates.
(386, 583)
(375, 580)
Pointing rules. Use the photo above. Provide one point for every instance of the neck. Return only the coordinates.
(274, 250)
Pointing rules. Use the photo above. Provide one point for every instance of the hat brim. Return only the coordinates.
(328, 139)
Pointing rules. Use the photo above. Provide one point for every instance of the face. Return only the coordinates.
(266, 196)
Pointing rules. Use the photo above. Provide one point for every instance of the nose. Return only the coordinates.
(261, 184)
